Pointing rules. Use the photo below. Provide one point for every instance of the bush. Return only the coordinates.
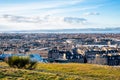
(21, 62)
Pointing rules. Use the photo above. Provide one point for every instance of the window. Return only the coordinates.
(119, 57)
(113, 58)
(110, 58)
(78, 57)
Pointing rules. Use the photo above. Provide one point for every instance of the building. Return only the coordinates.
(109, 57)
(113, 60)
(67, 56)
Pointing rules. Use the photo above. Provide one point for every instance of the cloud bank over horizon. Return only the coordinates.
(60, 14)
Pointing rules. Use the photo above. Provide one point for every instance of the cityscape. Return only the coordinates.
(59, 40)
(78, 48)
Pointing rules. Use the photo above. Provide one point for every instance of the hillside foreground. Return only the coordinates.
(55, 71)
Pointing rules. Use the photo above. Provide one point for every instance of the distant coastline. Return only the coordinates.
(89, 30)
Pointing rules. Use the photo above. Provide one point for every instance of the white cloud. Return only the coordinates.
(45, 8)
(41, 20)
(75, 20)
(50, 14)
(91, 13)
(47, 22)
(21, 8)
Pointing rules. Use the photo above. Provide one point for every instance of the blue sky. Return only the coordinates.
(58, 14)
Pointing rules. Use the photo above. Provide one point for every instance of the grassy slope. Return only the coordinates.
(54, 71)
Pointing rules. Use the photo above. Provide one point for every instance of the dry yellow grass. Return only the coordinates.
(55, 71)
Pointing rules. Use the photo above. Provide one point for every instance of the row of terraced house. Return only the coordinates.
(109, 57)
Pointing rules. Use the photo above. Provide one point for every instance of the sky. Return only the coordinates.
(58, 14)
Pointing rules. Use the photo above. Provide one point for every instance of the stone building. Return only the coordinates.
(67, 56)
(113, 60)
(109, 57)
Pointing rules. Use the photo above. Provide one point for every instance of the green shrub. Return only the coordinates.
(21, 62)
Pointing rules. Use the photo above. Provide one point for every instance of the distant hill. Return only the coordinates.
(88, 30)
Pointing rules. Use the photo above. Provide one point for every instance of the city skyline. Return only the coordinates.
(58, 14)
